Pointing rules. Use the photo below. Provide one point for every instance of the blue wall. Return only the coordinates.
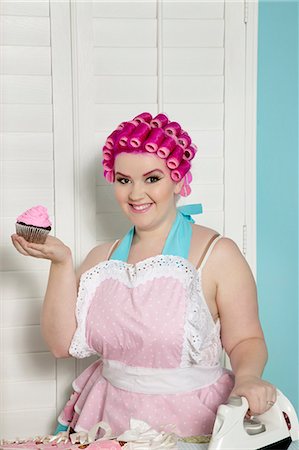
(277, 191)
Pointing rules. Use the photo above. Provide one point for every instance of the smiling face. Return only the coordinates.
(144, 189)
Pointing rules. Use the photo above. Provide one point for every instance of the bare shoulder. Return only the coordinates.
(95, 256)
(225, 255)
(228, 262)
(200, 231)
(225, 247)
(201, 236)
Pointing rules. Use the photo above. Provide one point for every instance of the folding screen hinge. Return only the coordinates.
(245, 11)
(244, 249)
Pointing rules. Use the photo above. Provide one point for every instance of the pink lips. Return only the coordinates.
(140, 210)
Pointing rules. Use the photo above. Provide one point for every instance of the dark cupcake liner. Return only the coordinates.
(31, 233)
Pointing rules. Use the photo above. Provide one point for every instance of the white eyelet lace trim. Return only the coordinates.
(202, 345)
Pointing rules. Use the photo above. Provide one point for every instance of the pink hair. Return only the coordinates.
(153, 135)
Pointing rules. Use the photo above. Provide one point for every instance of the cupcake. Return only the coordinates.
(34, 224)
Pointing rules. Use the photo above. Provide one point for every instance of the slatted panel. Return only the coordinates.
(33, 9)
(28, 370)
(131, 61)
(19, 394)
(125, 68)
(198, 33)
(124, 9)
(21, 366)
(125, 32)
(176, 9)
(193, 90)
(187, 61)
(40, 419)
(26, 31)
(193, 38)
(22, 89)
(26, 60)
(27, 146)
(20, 312)
(129, 89)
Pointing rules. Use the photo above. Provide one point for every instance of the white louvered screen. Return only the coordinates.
(71, 71)
(28, 371)
(191, 74)
(31, 148)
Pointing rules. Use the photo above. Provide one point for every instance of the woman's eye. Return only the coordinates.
(153, 179)
(123, 180)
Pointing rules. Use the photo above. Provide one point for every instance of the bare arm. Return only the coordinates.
(241, 332)
(58, 319)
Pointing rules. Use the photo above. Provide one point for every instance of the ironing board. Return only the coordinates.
(185, 446)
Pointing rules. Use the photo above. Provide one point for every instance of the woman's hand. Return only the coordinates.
(260, 394)
(53, 249)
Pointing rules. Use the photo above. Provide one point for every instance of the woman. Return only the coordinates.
(158, 305)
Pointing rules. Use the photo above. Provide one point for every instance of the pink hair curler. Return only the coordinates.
(185, 191)
(109, 175)
(110, 141)
(178, 173)
(167, 146)
(108, 164)
(188, 177)
(121, 125)
(139, 135)
(189, 153)
(143, 117)
(175, 158)
(159, 121)
(184, 139)
(154, 139)
(107, 153)
(173, 128)
(125, 133)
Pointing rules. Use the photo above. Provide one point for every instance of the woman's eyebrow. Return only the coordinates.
(155, 170)
(122, 174)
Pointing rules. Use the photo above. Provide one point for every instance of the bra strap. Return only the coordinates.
(112, 248)
(208, 250)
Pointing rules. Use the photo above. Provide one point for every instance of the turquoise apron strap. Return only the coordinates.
(179, 238)
(190, 210)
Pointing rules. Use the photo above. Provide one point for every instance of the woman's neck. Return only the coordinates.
(155, 234)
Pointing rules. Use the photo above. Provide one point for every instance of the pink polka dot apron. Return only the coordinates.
(158, 345)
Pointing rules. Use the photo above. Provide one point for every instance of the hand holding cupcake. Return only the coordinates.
(32, 239)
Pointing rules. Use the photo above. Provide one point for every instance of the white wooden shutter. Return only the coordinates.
(28, 372)
(71, 72)
(36, 168)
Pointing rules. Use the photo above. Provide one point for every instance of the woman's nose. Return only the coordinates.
(137, 192)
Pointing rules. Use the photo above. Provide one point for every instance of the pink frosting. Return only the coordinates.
(37, 216)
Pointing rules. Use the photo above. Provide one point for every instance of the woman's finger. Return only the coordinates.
(271, 397)
(42, 248)
(18, 246)
(27, 248)
(35, 253)
(263, 399)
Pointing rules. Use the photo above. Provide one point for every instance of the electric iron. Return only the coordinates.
(275, 429)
